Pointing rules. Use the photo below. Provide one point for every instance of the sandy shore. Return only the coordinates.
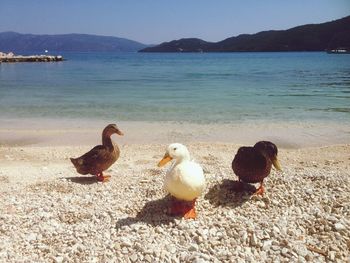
(48, 132)
(49, 213)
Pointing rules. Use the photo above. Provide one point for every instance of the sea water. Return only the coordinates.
(185, 87)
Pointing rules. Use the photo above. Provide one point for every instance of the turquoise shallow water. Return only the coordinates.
(200, 88)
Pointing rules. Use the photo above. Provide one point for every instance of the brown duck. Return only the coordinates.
(101, 157)
(253, 164)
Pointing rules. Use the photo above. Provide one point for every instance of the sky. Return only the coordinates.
(156, 21)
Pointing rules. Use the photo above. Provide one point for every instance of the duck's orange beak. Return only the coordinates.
(165, 160)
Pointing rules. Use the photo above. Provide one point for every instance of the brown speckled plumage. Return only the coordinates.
(101, 157)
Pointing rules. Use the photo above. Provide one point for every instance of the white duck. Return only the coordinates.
(184, 180)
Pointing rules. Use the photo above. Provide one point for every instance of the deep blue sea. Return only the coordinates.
(195, 87)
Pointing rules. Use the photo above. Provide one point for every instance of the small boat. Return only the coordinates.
(339, 51)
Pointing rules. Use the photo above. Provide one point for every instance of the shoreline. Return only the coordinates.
(71, 132)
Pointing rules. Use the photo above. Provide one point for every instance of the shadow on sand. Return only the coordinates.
(153, 213)
(230, 193)
(82, 179)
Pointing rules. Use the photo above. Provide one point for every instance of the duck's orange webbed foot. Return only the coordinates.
(183, 208)
(191, 214)
(103, 178)
(260, 190)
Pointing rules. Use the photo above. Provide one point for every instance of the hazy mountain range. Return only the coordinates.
(16, 42)
(312, 37)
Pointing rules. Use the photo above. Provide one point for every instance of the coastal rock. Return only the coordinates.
(10, 57)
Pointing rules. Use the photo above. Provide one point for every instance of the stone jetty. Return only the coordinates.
(11, 57)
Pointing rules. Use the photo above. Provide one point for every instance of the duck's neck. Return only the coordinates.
(106, 139)
(183, 158)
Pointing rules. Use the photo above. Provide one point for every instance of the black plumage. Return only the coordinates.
(253, 164)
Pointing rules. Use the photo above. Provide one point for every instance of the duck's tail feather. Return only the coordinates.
(74, 161)
(78, 164)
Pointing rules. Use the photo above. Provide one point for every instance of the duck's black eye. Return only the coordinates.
(175, 149)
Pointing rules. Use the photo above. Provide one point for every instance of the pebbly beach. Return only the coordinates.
(52, 214)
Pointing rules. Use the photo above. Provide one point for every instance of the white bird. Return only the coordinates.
(184, 180)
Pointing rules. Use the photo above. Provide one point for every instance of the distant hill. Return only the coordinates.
(313, 37)
(11, 41)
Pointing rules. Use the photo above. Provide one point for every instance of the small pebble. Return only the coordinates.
(339, 227)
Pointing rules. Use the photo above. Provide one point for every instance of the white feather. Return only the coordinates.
(185, 179)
